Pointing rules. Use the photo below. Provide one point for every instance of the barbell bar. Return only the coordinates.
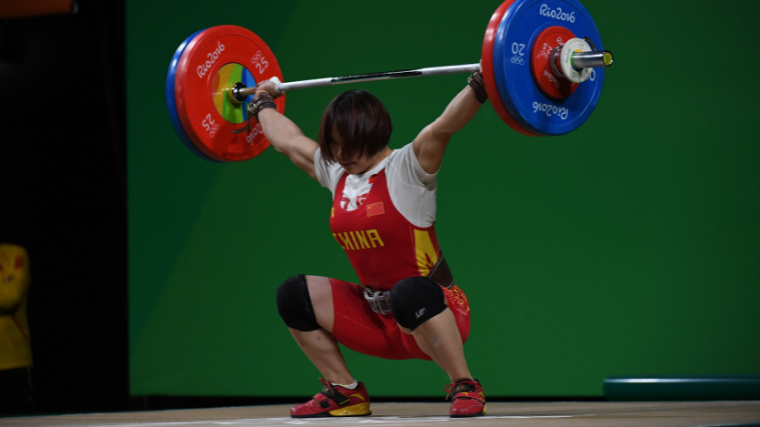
(240, 93)
(578, 60)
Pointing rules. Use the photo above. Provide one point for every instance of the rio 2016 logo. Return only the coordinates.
(551, 110)
(211, 59)
(253, 133)
(556, 13)
(551, 79)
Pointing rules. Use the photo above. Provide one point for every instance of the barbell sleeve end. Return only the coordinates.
(594, 59)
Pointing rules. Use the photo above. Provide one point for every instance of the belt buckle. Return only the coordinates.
(379, 301)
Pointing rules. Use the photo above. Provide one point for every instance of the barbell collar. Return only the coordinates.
(241, 93)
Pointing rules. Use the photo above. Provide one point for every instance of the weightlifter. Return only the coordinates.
(383, 216)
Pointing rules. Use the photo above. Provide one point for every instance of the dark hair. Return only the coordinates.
(362, 122)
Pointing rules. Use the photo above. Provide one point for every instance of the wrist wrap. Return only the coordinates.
(476, 83)
(261, 101)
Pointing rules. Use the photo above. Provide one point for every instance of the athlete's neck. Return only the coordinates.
(376, 159)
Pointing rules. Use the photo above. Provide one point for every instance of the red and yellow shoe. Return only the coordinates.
(334, 401)
(468, 398)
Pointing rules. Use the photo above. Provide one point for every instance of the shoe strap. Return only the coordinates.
(459, 388)
(331, 393)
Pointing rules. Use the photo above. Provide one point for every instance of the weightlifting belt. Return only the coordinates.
(441, 273)
(380, 301)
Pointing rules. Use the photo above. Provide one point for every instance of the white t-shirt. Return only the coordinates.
(412, 190)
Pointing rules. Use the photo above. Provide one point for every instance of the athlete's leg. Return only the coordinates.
(439, 338)
(421, 310)
(314, 336)
(306, 305)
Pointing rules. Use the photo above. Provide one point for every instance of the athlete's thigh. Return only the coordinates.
(326, 294)
(460, 306)
(457, 302)
(361, 329)
(320, 292)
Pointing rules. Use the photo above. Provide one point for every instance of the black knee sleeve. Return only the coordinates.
(294, 304)
(415, 300)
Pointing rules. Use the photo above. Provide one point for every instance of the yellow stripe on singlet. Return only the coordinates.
(426, 256)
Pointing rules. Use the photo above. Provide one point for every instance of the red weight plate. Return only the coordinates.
(194, 87)
(486, 67)
(550, 84)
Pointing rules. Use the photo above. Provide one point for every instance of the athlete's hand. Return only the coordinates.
(270, 87)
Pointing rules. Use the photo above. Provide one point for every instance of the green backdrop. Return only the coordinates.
(627, 247)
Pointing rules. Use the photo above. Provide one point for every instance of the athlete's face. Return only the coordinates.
(357, 164)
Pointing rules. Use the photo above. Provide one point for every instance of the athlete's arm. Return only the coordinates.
(430, 144)
(286, 137)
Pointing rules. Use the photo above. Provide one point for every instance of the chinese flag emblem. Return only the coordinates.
(375, 209)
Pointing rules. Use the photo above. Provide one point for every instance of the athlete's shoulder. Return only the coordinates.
(399, 153)
(328, 173)
(406, 167)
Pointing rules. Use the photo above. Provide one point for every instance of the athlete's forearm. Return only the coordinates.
(279, 130)
(430, 144)
(458, 113)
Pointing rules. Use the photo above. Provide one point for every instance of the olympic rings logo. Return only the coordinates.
(551, 110)
(260, 62)
(518, 50)
(556, 14)
(546, 50)
(212, 127)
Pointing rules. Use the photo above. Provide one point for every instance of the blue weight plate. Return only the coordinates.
(171, 104)
(520, 26)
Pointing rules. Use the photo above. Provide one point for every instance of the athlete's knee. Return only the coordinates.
(416, 300)
(294, 304)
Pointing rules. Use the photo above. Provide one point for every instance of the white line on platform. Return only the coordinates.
(387, 421)
(283, 421)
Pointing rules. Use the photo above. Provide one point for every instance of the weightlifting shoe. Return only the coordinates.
(334, 401)
(468, 398)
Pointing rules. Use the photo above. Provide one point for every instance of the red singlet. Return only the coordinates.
(382, 245)
(384, 248)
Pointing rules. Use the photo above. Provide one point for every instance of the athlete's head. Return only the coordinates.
(355, 126)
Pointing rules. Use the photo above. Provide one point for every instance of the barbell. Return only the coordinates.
(542, 78)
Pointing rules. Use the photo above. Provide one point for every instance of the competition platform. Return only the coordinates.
(591, 414)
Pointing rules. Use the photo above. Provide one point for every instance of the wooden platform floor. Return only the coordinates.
(613, 414)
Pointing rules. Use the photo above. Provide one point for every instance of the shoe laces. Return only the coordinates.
(463, 385)
(328, 388)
